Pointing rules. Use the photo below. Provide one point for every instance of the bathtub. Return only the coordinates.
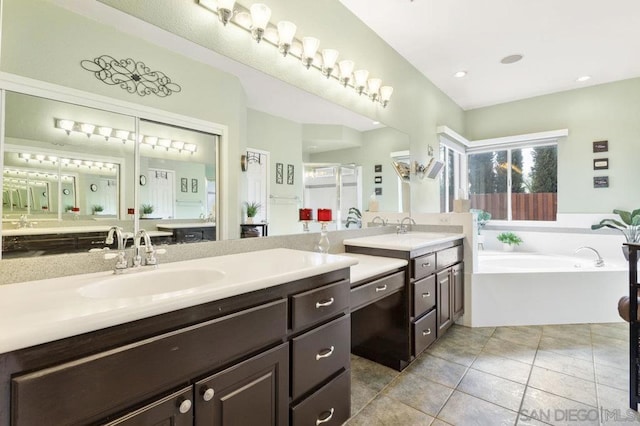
(537, 289)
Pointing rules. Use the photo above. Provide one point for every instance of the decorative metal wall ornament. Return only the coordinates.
(134, 77)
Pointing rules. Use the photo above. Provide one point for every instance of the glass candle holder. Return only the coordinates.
(324, 215)
(324, 244)
(305, 214)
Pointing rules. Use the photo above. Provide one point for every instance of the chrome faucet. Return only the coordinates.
(23, 222)
(382, 221)
(150, 258)
(599, 261)
(402, 228)
(121, 263)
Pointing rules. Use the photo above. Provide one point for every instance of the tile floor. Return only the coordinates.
(533, 375)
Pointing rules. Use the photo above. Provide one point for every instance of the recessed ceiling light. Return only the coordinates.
(583, 78)
(375, 123)
(511, 59)
(460, 74)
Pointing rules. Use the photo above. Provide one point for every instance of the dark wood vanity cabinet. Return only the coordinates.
(192, 234)
(432, 291)
(243, 360)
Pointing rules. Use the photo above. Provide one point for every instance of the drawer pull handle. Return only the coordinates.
(325, 353)
(324, 304)
(319, 421)
(184, 405)
(381, 288)
(426, 264)
(425, 295)
(208, 394)
(426, 332)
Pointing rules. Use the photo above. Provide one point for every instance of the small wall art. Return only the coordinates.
(378, 191)
(377, 179)
(601, 182)
(279, 172)
(601, 146)
(184, 185)
(600, 163)
(377, 168)
(290, 174)
(194, 185)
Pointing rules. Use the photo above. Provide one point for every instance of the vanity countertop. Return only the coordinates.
(370, 266)
(36, 312)
(54, 230)
(185, 225)
(403, 242)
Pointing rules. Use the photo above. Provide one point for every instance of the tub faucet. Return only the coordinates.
(23, 222)
(402, 228)
(599, 262)
(150, 258)
(382, 221)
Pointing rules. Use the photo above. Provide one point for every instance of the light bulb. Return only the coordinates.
(105, 131)
(346, 69)
(225, 10)
(360, 80)
(286, 31)
(260, 15)
(87, 128)
(385, 95)
(329, 58)
(373, 87)
(309, 49)
(66, 125)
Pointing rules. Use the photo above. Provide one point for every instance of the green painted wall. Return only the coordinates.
(605, 112)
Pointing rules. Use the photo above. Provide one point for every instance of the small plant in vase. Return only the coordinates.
(97, 209)
(630, 227)
(146, 209)
(509, 240)
(354, 218)
(252, 210)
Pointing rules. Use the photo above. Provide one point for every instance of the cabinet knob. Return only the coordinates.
(207, 394)
(426, 264)
(426, 332)
(381, 288)
(325, 303)
(325, 353)
(328, 417)
(425, 295)
(184, 405)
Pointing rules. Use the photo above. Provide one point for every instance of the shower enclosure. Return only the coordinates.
(332, 186)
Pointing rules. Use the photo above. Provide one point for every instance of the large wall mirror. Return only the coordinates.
(69, 175)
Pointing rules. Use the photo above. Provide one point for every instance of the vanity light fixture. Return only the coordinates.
(40, 157)
(190, 147)
(105, 131)
(87, 128)
(179, 145)
(165, 143)
(255, 19)
(360, 80)
(286, 31)
(583, 78)
(309, 48)
(329, 58)
(373, 87)
(66, 125)
(260, 15)
(151, 140)
(123, 135)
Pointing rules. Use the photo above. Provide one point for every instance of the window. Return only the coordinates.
(515, 183)
(453, 179)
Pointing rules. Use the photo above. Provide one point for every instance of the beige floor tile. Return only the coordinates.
(384, 411)
(556, 410)
(563, 385)
(419, 393)
(510, 350)
(463, 409)
(502, 367)
(494, 389)
(438, 370)
(565, 364)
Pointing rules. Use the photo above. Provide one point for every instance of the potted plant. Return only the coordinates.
(630, 227)
(147, 209)
(252, 210)
(354, 218)
(97, 209)
(509, 240)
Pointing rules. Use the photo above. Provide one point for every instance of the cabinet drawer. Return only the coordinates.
(370, 292)
(320, 303)
(318, 354)
(116, 379)
(424, 332)
(424, 265)
(175, 409)
(329, 406)
(448, 257)
(424, 295)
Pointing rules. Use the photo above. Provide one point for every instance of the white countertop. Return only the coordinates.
(36, 312)
(370, 266)
(185, 225)
(54, 230)
(403, 242)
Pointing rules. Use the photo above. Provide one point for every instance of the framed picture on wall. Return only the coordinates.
(600, 163)
(601, 146)
(378, 191)
(184, 185)
(377, 168)
(377, 179)
(279, 172)
(290, 174)
(194, 185)
(601, 182)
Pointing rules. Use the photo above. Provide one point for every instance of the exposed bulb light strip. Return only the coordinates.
(256, 18)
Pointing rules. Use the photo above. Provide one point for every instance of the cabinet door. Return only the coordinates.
(254, 392)
(445, 318)
(457, 277)
(175, 409)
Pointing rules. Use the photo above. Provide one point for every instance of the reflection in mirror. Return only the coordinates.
(178, 182)
(63, 173)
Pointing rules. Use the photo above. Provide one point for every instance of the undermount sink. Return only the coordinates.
(156, 283)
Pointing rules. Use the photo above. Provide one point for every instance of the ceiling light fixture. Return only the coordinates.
(460, 74)
(511, 59)
(583, 78)
(87, 129)
(255, 20)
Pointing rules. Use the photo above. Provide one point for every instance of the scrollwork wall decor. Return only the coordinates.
(132, 76)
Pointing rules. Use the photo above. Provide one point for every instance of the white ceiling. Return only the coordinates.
(560, 40)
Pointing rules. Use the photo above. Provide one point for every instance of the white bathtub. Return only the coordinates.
(535, 289)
